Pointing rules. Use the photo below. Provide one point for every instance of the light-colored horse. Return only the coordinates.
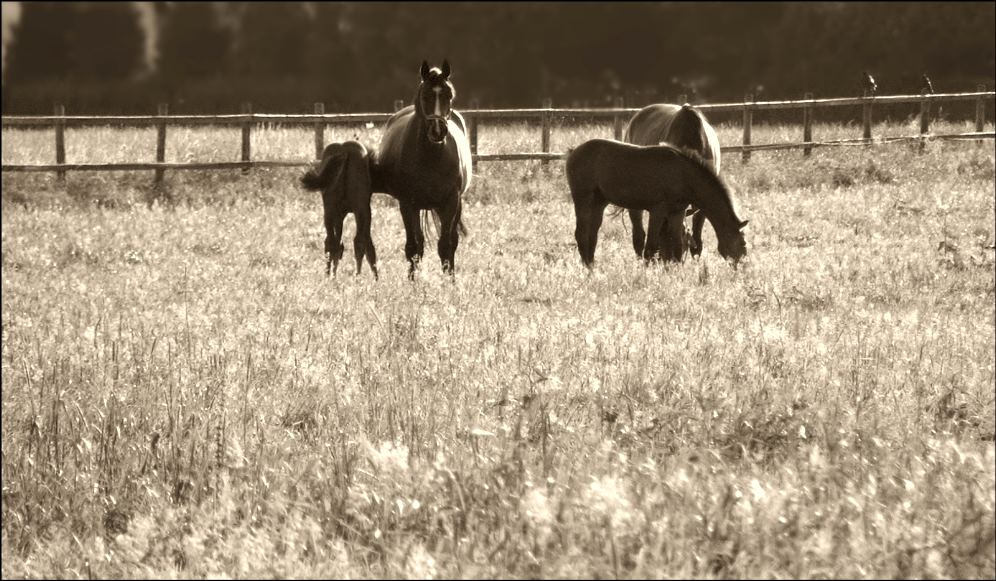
(684, 127)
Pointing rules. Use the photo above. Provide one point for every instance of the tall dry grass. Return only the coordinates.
(185, 393)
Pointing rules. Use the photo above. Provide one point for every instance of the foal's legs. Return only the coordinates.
(673, 236)
(589, 207)
(363, 242)
(656, 227)
(333, 239)
(414, 239)
(639, 234)
(581, 230)
(595, 214)
(449, 234)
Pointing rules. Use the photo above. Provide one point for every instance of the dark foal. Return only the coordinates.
(344, 178)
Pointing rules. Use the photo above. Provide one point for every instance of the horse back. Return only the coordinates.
(627, 175)
(650, 125)
(682, 126)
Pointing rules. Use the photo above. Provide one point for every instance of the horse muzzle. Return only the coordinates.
(437, 129)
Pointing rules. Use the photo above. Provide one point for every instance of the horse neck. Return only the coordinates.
(713, 199)
(419, 125)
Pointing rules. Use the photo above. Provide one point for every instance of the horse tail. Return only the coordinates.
(317, 179)
(437, 222)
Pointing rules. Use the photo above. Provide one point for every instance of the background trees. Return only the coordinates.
(361, 56)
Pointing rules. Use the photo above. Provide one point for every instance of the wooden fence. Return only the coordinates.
(618, 116)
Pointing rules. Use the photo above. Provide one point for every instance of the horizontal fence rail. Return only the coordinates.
(537, 114)
(618, 115)
(525, 156)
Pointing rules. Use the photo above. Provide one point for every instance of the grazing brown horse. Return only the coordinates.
(344, 178)
(686, 128)
(424, 160)
(660, 178)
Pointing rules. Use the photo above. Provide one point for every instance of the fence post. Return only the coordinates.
(472, 129)
(980, 112)
(162, 111)
(807, 125)
(748, 120)
(924, 119)
(246, 128)
(617, 131)
(866, 117)
(547, 104)
(319, 131)
(60, 141)
(399, 104)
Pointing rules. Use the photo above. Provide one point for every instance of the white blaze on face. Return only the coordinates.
(437, 110)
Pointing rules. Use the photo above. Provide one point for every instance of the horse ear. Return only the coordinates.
(424, 71)
(446, 69)
(743, 224)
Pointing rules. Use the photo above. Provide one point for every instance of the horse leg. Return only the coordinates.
(595, 215)
(673, 237)
(333, 239)
(582, 201)
(414, 239)
(449, 235)
(581, 231)
(656, 227)
(363, 242)
(639, 234)
(697, 221)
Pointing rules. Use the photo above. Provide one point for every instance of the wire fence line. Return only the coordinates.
(545, 115)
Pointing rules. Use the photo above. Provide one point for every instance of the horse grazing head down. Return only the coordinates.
(734, 247)
(434, 100)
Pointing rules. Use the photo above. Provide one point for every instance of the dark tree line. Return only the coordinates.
(284, 56)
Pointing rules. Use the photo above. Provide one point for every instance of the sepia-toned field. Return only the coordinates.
(185, 394)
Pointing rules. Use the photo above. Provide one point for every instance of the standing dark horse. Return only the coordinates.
(344, 178)
(686, 128)
(425, 162)
(660, 178)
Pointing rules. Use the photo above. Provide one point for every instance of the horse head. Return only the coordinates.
(732, 245)
(434, 100)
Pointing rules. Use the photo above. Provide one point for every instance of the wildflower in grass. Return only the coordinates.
(390, 459)
(608, 500)
(536, 509)
(419, 564)
(134, 544)
(193, 546)
(756, 490)
(773, 333)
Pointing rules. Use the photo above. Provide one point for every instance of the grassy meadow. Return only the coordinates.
(185, 394)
